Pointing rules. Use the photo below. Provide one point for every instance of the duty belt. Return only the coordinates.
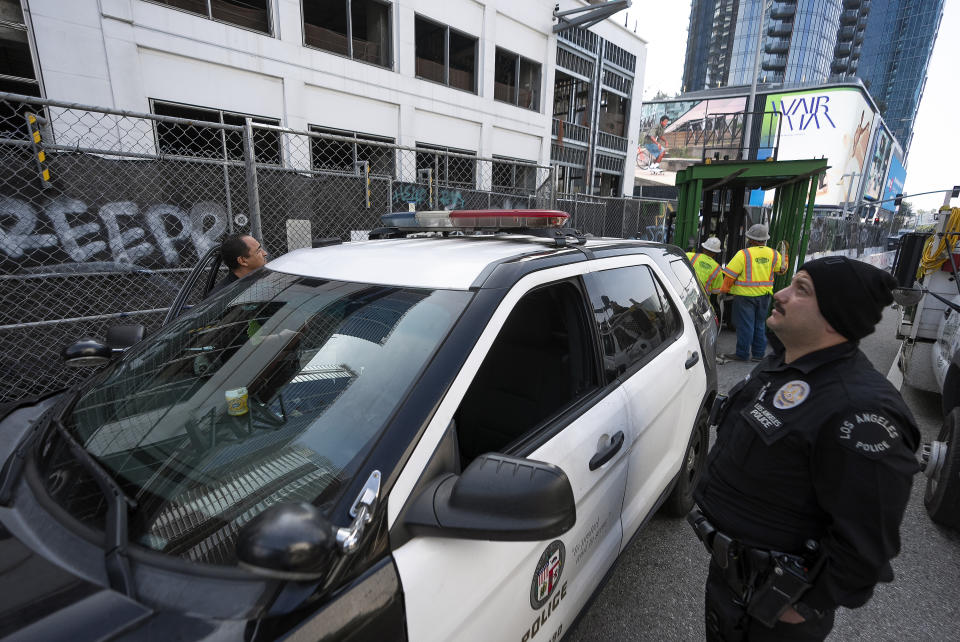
(765, 582)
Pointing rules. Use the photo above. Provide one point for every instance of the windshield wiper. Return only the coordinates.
(115, 559)
(118, 505)
(13, 469)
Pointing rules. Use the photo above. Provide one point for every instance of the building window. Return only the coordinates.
(516, 80)
(340, 155)
(249, 14)
(513, 175)
(445, 55)
(208, 142)
(359, 29)
(447, 170)
(613, 113)
(17, 75)
(571, 99)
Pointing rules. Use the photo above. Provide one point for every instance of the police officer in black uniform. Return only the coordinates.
(806, 485)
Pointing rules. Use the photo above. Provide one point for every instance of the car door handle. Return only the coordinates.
(692, 360)
(605, 455)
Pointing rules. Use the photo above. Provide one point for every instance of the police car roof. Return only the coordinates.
(450, 263)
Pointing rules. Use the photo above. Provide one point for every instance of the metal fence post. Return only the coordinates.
(553, 187)
(226, 180)
(253, 189)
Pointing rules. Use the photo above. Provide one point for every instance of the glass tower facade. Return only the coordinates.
(897, 46)
(797, 43)
(701, 24)
(885, 43)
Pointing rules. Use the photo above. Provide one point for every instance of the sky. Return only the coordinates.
(936, 137)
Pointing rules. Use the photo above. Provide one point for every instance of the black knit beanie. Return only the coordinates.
(851, 294)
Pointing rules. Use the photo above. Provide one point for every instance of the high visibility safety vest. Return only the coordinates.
(753, 268)
(708, 271)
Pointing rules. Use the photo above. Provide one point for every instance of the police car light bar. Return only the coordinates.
(500, 220)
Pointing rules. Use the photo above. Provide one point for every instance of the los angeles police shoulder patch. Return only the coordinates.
(868, 433)
(791, 394)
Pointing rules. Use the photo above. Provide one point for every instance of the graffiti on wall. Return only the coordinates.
(68, 230)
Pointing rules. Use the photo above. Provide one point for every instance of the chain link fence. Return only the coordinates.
(103, 213)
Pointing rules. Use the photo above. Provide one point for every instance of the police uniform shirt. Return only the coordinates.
(821, 448)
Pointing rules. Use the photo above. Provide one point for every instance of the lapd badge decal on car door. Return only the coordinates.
(546, 578)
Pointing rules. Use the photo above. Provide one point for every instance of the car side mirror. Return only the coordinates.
(121, 337)
(86, 353)
(497, 498)
(288, 541)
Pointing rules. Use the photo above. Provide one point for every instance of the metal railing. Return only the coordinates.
(567, 131)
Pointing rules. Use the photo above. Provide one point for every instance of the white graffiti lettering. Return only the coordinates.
(120, 241)
(57, 212)
(20, 237)
(117, 234)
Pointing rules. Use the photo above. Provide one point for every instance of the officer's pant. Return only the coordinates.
(750, 315)
(728, 621)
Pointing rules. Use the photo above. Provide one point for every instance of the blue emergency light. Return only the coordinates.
(500, 220)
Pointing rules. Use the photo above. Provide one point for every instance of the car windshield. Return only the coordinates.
(274, 390)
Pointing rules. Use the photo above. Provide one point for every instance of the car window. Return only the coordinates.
(692, 294)
(634, 315)
(273, 390)
(540, 364)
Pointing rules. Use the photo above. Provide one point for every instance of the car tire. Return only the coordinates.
(942, 495)
(680, 500)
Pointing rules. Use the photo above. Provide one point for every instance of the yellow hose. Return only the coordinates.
(937, 248)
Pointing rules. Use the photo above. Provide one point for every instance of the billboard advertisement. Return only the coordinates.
(894, 185)
(879, 162)
(698, 128)
(833, 123)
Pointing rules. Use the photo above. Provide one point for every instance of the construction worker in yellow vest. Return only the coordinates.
(748, 276)
(706, 266)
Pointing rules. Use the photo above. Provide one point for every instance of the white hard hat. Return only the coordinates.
(758, 232)
(712, 244)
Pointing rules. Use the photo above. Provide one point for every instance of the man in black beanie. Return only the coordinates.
(806, 485)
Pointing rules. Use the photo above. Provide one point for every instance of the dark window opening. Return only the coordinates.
(359, 29)
(634, 315)
(607, 184)
(17, 75)
(445, 55)
(15, 57)
(514, 177)
(516, 80)
(200, 140)
(449, 170)
(571, 99)
(249, 14)
(505, 77)
(613, 113)
(540, 364)
(339, 155)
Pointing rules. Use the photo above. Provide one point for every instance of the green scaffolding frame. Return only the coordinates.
(795, 182)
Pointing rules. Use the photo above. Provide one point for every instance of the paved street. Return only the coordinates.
(656, 590)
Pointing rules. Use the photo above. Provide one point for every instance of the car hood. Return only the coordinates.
(45, 602)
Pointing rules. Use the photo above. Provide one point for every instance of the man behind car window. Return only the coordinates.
(243, 255)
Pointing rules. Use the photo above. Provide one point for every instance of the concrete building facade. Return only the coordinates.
(470, 76)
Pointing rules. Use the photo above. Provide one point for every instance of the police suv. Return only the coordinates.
(449, 432)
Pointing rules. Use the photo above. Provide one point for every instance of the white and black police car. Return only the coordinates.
(433, 436)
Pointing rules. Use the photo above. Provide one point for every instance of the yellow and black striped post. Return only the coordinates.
(34, 124)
